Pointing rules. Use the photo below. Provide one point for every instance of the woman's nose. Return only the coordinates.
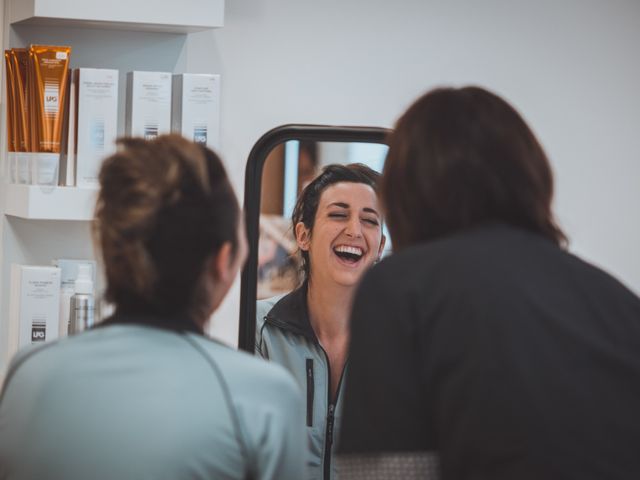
(354, 229)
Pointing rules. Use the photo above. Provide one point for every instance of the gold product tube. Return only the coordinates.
(50, 66)
(20, 61)
(10, 118)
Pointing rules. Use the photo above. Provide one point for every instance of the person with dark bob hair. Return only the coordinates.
(338, 228)
(146, 394)
(481, 348)
(463, 158)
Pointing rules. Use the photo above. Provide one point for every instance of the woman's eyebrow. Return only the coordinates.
(371, 210)
(338, 204)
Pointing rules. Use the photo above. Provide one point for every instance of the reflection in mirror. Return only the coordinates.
(309, 268)
(288, 169)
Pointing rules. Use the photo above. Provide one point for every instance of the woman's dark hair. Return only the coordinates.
(165, 206)
(307, 203)
(459, 158)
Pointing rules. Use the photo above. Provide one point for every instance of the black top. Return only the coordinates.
(511, 357)
(291, 313)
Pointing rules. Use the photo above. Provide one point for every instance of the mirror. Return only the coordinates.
(280, 165)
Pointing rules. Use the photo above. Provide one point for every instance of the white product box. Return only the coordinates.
(196, 108)
(148, 109)
(96, 121)
(67, 158)
(34, 305)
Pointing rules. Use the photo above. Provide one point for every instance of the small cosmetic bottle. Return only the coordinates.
(82, 302)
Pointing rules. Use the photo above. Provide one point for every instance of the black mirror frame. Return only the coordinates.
(252, 194)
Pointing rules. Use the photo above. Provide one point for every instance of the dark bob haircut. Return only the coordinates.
(308, 201)
(459, 158)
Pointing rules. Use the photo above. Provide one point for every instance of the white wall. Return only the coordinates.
(571, 67)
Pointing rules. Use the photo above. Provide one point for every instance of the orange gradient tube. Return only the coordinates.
(11, 107)
(20, 60)
(50, 66)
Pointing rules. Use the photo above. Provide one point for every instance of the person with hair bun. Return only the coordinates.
(146, 394)
(482, 349)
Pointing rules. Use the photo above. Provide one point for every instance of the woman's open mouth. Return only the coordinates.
(349, 255)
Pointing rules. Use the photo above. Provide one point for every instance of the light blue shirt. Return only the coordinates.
(137, 402)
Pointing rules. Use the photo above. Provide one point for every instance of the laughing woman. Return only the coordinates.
(338, 228)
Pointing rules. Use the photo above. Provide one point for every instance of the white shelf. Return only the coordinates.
(41, 202)
(122, 34)
(182, 16)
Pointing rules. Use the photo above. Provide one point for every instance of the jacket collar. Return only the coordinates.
(291, 313)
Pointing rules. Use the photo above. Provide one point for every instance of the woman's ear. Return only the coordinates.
(303, 236)
(222, 263)
(221, 271)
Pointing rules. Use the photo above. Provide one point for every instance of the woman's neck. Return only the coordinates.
(329, 309)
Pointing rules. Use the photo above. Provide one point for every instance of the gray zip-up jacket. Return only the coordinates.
(284, 335)
(132, 401)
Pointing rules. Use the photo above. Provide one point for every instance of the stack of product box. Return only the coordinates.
(61, 124)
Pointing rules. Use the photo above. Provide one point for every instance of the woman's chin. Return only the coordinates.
(347, 279)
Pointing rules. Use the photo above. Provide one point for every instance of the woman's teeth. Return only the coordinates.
(348, 249)
(350, 254)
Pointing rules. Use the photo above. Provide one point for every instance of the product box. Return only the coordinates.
(68, 274)
(96, 121)
(67, 159)
(34, 305)
(148, 106)
(196, 108)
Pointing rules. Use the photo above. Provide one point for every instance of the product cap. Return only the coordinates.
(84, 281)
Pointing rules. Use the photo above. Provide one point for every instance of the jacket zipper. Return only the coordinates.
(328, 436)
(310, 392)
(329, 441)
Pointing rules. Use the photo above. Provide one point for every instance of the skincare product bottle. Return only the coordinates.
(68, 274)
(66, 294)
(82, 310)
(50, 65)
(20, 58)
(10, 118)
